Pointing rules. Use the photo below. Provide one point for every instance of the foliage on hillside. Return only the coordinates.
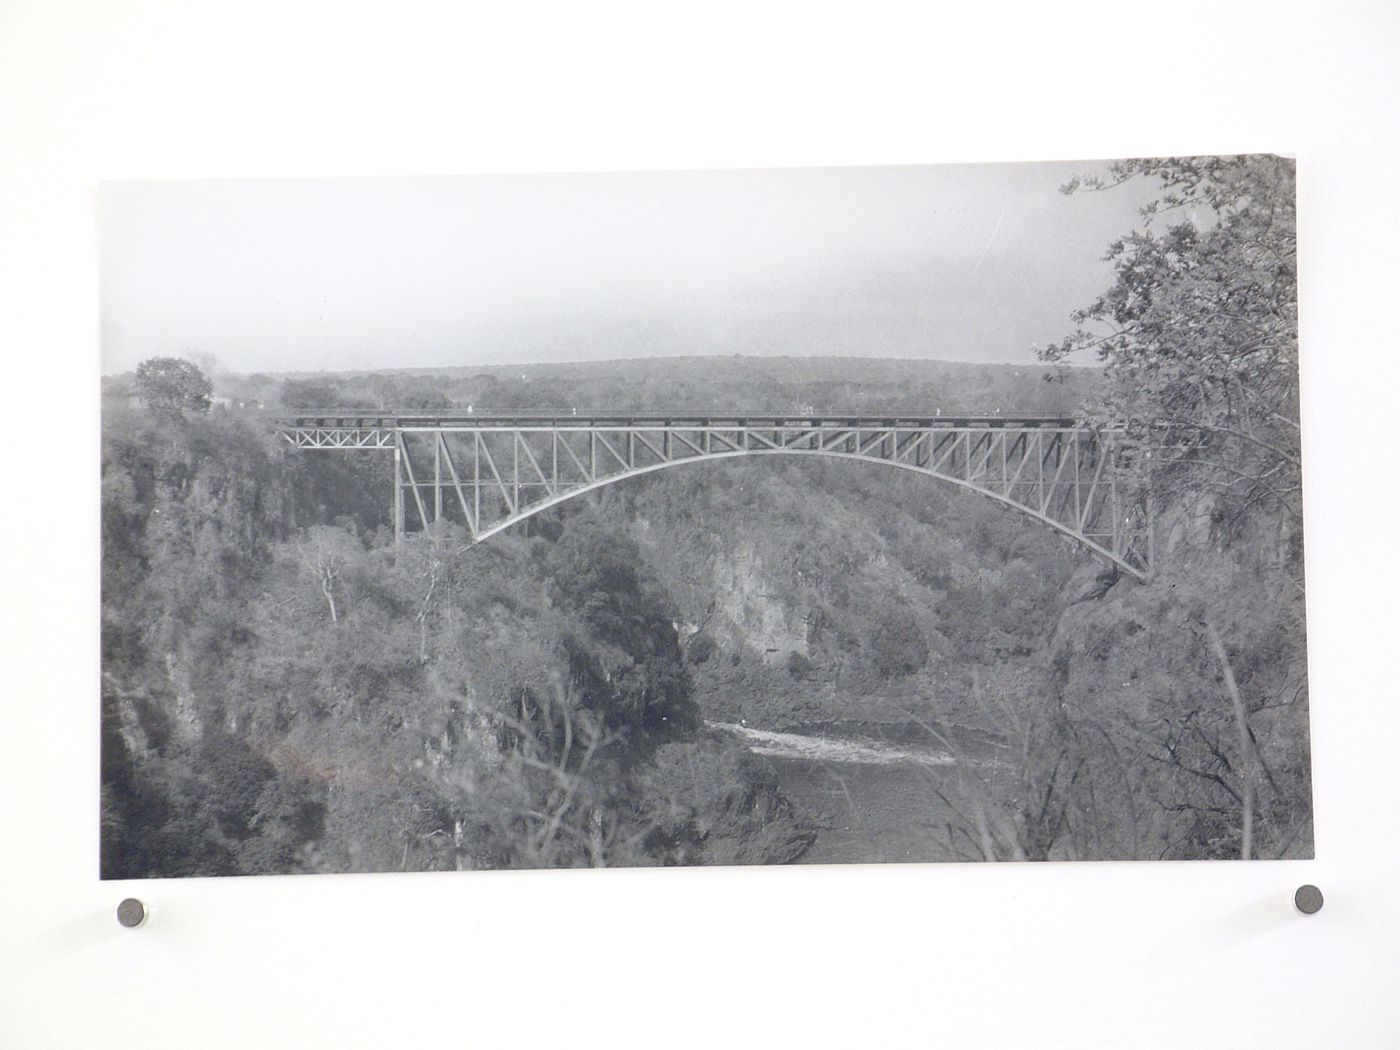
(281, 696)
(884, 601)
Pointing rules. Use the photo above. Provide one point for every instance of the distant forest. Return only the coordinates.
(284, 691)
(695, 385)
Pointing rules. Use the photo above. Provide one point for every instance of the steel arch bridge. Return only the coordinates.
(490, 472)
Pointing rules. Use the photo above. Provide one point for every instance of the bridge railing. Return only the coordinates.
(363, 420)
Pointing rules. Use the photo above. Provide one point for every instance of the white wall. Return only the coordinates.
(1065, 955)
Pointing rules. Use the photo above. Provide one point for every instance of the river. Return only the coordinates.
(871, 790)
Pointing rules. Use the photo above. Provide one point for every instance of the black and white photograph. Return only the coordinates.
(845, 515)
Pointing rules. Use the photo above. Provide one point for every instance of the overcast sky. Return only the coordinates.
(966, 263)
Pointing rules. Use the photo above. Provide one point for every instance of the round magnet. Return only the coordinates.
(131, 913)
(1308, 900)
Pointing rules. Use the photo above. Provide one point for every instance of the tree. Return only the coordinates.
(624, 652)
(170, 386)
(311, 395)
(707, 801)
(324, 553)
(897, 646)
(1203, 714)
(1199, 333)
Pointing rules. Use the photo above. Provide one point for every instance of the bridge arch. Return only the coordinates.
(553, 501)
(498, 472)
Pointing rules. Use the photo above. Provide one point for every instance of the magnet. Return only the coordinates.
(1308, 900)
(131, 913)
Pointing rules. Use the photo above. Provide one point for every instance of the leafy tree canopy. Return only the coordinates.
(1199, 332)
(311, 394)
(171, 386)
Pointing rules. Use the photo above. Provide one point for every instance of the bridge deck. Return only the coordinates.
(366, 420)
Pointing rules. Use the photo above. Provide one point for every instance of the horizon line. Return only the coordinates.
(621, 360)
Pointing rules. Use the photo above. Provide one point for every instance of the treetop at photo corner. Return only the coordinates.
(1198, 335)
(285, 690)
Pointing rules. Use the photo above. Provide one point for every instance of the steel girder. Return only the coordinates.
(490, 473)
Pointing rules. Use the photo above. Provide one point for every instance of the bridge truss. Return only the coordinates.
(491, 472)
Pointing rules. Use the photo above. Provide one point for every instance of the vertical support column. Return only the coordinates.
(437, 475)
(1040, 470)
(515, 465)
(1114, 509)
(1078, 456)
(398, 495)
(476, 477)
